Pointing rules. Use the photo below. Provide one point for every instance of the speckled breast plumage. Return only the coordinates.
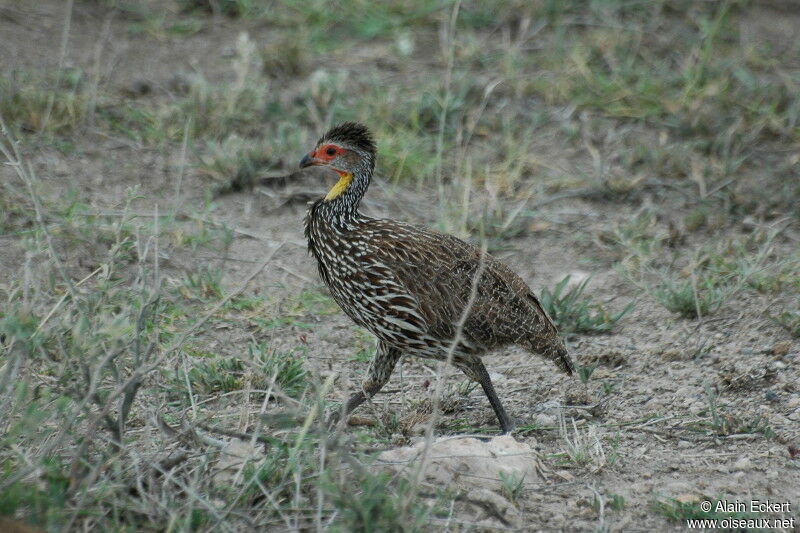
(410, 287)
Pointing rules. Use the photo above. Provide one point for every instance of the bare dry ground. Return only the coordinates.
(167, 347)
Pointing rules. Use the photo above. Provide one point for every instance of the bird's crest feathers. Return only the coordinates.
(350, 133)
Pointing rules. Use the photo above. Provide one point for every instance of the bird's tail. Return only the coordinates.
(563, 360)
(553, 349)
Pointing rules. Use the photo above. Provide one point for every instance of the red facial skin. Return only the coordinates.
(327, 153)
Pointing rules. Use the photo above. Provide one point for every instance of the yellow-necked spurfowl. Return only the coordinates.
(411, 286)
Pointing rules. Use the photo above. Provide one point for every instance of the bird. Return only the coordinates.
(420, 292)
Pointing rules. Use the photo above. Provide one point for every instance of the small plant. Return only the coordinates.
(585, 371)
(204, 284)
(202, 234)
(512, 486)
(615, 502)
(497, 228)
(715, 274)
(35, 105)
(784, 276)
(286, 369)
(582, 447)
(691, 299)
(202, 109)
(691, 510)
(43, 503)
(613, 455)
(790, 319)
(13, 213)
(452, 401)
(575, 313)
(210, 374)
(233, 164)
(636, 239)
(407, 154)
(312, 301)
(364, 345)
(215, 374)
(376, 503)
(289, 56)
(245, 303)
(723, 424)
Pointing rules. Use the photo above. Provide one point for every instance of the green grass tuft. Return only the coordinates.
(376, 502)
(234, 164)
(575, 313)
(682, 511)
(790, 319)
(31, 104)
(715, 274)
(721, 423)
(701, 298)
(511, 486)
(285, 369)
(264, 368)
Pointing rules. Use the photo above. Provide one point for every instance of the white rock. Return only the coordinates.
(498, 505)
(497, 377)
(232, 459)
(742, 463)
(545, 420)
(466, 462)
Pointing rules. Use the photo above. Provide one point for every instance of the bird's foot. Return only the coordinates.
(508, 426)
(333, 417)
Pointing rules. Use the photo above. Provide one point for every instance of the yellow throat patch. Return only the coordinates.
(341, 186)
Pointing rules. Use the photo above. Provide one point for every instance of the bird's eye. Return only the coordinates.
(331, 151)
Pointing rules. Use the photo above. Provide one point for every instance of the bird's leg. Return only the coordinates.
(475, 370)
(380, 370)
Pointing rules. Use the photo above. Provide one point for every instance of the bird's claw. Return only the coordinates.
(333, 418)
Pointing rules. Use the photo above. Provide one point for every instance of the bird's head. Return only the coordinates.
(348, 149)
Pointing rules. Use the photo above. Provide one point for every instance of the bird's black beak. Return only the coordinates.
(307, 161)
